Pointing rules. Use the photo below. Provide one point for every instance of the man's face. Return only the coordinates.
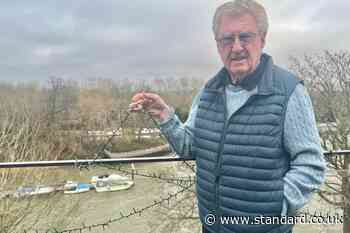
(240, 57)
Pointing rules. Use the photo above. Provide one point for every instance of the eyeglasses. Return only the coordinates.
(244, 38)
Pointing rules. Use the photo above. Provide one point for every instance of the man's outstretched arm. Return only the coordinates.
(178, 134)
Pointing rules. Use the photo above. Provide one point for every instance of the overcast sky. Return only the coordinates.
(147, 38)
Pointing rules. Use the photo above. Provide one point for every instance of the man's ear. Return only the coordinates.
(263, 39)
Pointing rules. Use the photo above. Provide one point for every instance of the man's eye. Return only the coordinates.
(245, 38)
(227, 40)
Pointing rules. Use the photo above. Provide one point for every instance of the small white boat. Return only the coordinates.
(72, 187)
(94, 179)
(33, 190)
(110, 183)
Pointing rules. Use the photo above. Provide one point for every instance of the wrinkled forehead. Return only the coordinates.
(233, 24)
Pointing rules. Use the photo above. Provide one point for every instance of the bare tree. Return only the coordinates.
(23, 137)
(327, 76)
(62, 97)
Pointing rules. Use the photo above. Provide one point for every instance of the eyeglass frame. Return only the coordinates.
(249, 37)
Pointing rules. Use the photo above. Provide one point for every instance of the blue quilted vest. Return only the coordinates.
(241, 161)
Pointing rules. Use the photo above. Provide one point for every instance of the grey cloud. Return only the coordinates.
(107, 38)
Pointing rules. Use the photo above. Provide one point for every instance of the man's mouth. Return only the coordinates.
(238, 58)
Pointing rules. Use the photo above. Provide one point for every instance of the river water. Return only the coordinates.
(76, 210)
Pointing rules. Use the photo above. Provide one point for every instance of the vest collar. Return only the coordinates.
(262, 78)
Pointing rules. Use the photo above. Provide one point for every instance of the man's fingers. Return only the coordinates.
(151, 103)
(138, 96)
(153, 106)
(136, 106)
(137, 102)
(152, 97)
(147, 98)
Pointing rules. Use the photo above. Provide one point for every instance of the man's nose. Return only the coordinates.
(236, 45)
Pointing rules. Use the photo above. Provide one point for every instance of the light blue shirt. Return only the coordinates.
(301, 140)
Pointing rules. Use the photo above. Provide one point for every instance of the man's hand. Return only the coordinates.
(150, 103)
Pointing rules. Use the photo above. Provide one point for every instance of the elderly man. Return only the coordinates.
(251, 130)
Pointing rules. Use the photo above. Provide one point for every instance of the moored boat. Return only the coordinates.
(72, 187)
(110, 183)
(33, 190)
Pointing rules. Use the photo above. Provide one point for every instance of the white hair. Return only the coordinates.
(241, 7)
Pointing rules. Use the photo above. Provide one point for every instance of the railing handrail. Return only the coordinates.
(88, 162)
(337, 152)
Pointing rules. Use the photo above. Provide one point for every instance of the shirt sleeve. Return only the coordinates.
(302, 141)
(178, 134)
